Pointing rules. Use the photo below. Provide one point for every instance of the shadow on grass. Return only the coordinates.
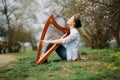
(56, 60)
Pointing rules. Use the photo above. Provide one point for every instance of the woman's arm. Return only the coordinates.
(58, 41)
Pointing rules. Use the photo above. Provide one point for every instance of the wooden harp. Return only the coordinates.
(51, 20)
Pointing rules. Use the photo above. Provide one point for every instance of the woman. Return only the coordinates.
(69, 48)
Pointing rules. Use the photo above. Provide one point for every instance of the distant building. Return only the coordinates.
(3, 44)
(113, 43)
(3, 39)
(26, 46)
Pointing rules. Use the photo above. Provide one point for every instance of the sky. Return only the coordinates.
(47, 8)
(42, 11)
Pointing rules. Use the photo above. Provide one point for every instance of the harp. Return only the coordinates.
(51, 20)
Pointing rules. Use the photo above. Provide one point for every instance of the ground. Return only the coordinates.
(5, 59)
(96, 64)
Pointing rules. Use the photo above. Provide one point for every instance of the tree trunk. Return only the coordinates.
(8, 23)
(117, 40)
(0, 50)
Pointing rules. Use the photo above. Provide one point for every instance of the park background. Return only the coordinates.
(21, 24)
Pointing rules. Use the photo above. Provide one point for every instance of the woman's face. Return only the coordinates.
(71, 21)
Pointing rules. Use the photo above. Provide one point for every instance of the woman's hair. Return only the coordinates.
(77, 21)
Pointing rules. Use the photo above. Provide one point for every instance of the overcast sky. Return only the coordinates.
(47, 8)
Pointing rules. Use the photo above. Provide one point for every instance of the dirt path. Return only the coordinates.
(5, 59)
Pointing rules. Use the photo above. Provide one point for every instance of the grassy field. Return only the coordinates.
(96, 64)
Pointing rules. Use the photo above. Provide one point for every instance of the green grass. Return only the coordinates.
(97, 64)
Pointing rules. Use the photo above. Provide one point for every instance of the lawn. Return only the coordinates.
(96, 64)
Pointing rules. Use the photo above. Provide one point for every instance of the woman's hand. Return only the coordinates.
(43, 42)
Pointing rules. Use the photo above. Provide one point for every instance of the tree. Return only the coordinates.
(97, 30)
(16, 13)
(115, 19)
(114, 15)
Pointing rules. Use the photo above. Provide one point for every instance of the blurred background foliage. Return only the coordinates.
(100, 20)
(22, 21)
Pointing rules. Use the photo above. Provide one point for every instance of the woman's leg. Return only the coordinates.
(47, 48)
(61, 51)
